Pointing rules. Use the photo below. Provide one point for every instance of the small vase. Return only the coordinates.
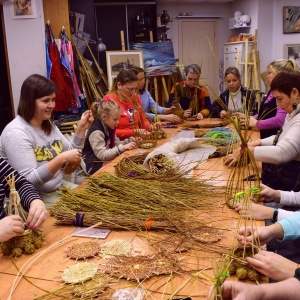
(164, 18)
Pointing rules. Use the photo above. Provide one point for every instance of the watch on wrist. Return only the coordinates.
(297, 273)
(275, 215)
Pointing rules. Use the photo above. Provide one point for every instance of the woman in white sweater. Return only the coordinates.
(283, 150)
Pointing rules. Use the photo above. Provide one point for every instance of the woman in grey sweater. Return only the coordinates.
(33, 145)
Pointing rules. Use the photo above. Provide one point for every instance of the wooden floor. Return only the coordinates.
(44, 268)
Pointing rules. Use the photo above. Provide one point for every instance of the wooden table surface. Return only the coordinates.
(44, 268)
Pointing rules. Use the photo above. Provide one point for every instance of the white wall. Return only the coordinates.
(281, 39)
(26, 47)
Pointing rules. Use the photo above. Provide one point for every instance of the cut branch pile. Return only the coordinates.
(129, 204)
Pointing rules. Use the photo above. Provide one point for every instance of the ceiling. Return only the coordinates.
(195, 1)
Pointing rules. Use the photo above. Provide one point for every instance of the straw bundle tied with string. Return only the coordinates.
(127, 204)
(30, 239)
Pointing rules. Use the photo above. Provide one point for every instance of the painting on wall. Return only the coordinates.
(159, 57)
(292, 51)
(116, 61)
(291, 19)
(23, 9)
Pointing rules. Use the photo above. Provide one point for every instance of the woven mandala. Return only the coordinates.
(175, 243)
(79, 272)
(131, 267)
(207, 234)
(166, 264)
(93, 287)
(115, 247)
(83, 250)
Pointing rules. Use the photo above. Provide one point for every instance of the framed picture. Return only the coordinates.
(116, 61)
(292, 51)
(291, 19)
(23, 9)
(159, 59)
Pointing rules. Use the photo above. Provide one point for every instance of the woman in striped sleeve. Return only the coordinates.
(11, 226)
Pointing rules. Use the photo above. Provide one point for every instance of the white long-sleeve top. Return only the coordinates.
(288, 199)
(288, 146)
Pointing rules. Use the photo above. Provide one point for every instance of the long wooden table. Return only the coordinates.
(43, 269)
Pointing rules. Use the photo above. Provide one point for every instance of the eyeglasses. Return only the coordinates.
(131, 90)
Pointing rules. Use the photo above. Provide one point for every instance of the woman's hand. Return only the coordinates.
(84, 123)
(129, 146)
(269, 195)
(187, 113)
(232, 158)
(223, 114)
(273, 265)
(71, 156)
(169, 110)
(257, 211)
(10, 227)
(170, 118)
(251, 122)
(247, 235)
(199, 116)
(141, 132)
(37, 214)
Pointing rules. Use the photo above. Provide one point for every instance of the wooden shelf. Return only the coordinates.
(197, 17)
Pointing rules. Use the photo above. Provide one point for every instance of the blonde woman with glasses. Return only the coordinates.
(150, 107)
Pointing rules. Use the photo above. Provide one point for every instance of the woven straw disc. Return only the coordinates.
(79, 272)
(115, 247)
(91, 288)
(131, 267)
(83, 250)
(207, 234)
(166, 264)
(175, 243)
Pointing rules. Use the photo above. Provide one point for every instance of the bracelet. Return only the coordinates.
(275, 215)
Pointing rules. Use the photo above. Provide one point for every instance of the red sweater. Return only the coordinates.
(132, 116)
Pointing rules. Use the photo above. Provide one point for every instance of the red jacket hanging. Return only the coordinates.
(60, 75)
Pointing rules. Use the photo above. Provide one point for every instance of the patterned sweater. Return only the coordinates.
(196, 98)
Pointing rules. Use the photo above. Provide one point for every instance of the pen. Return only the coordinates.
(171, 126)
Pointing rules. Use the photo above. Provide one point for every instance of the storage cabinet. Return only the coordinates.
(135, 19)
(234, 53)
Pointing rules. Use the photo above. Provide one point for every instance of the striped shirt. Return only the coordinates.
(25, 189)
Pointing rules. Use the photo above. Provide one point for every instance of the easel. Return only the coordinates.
(251, 66)
(152, 84)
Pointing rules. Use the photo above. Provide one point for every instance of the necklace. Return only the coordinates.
(235, 93)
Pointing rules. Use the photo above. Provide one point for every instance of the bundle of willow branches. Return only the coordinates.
(245, 166)
(128, 204)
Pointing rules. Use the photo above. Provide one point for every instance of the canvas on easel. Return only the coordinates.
(159, 59)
